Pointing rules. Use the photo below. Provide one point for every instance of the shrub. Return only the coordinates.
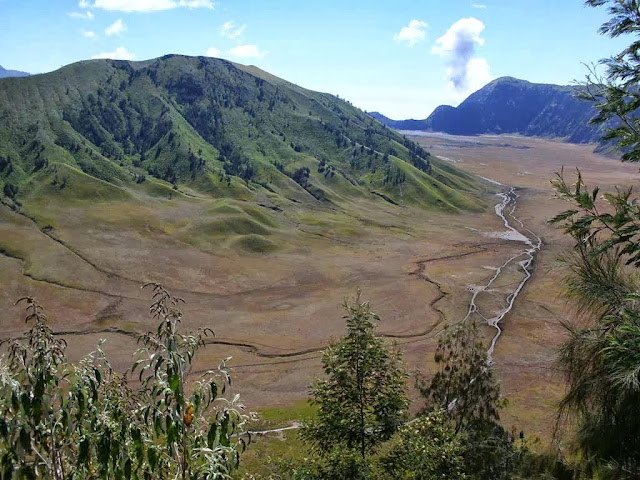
(60, 420)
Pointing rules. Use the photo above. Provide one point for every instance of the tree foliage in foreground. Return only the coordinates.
(359, 431)
(464, 385)
(361, 401)
(465, 388)
(615, 94)
(427, 449)
(359, 434)
(601, 359)
(60, 420)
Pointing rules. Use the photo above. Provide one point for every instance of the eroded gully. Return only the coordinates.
(522, 261)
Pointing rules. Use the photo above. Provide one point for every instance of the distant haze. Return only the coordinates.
(11, 73)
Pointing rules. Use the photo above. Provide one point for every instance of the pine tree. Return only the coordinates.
(362, 400)
(464, 385)
(600, 357)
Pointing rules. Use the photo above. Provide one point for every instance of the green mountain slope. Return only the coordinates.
(206, 127)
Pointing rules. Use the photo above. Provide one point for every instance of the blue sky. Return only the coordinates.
(400, 57)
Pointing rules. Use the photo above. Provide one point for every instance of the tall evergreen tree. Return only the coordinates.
(600, 358)
(464, 385)
(466, 389)
(361, 401)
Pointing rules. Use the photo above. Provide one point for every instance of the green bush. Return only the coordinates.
(60, 420)
(427, 449)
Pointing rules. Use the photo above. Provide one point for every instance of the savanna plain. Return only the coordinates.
(275, 306)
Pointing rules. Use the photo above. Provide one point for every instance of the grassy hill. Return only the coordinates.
(209, 127)
(132, 171)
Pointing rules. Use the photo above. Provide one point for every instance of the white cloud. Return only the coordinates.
(88, 34)
(458, 47)
(120, 53)
(413, 33)
(478, 5)
(213, 52)
(196, 4)
(229, 30)
(247, 51)
(145, 5)
(85, 15)
(135, 5)
(116, 28)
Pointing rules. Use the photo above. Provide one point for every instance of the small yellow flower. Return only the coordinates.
(188, 415)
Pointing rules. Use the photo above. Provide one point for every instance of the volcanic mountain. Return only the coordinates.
(512, 106)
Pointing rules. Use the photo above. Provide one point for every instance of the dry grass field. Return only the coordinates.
(275, 309)
(532, 331)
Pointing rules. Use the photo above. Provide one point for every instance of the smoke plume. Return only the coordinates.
(458, 46)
